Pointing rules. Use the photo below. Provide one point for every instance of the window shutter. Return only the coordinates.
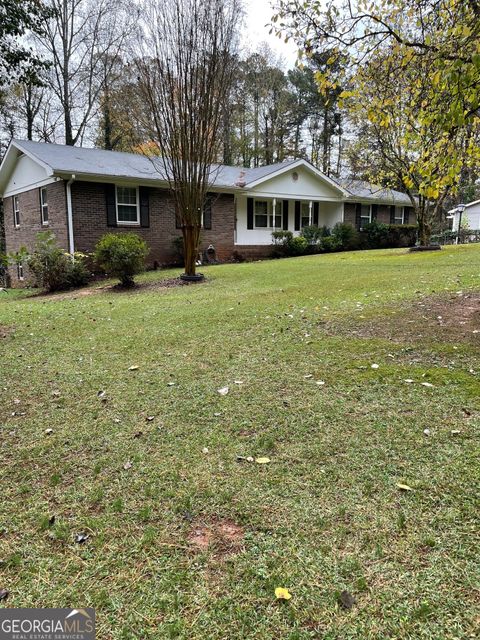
(392, 214)
(144, 195)
(249, 213)
(40, 204)
(207, 213)
(374, 211)
(406, 217)
(13, 207)
(315, 214)
(297, 215)
(111, 208)
(285, 215)
(358, 215)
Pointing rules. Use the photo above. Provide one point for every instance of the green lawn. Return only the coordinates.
(191, 544)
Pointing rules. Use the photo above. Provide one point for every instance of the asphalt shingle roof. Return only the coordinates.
(117, 164)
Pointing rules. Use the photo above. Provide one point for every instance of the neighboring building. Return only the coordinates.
(81, 194)
(470, 216)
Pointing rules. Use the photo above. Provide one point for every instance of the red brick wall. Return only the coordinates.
(383, 213)
(90, 223)
(30, 221)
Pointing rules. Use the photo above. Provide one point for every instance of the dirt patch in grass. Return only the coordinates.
(222, 537)
(5, 331)
(449, 318)
(142, 287)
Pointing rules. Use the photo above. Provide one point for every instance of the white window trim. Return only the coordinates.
(310, 214)
(369, 215)
(44, 205)
(398, 218)
(270, 214)
(16, 211)
(127, 223)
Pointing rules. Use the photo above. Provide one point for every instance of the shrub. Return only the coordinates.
(298, 246)
(53, 268)
(286, 244)
(402, 235)
(328, 244)
(376, 235)
(313, 234)
(344, 237)
(121, 255)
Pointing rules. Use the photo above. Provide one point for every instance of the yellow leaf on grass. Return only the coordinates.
(262, 460)
(282, 594)
(404, 487)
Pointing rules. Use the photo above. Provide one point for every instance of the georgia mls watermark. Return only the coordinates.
(47, 624)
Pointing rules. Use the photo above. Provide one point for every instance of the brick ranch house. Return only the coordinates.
(80, 194)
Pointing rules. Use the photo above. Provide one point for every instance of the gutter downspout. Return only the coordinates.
(71, 241)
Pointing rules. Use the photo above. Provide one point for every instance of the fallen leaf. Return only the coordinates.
(48, 431)
(426, 432)
(128, 465)
(308, 376)
(408, 380)
(150, 418)
(282, 594)
(404, 487)
(262, 460)
(455, 432)
(250, 459)
(170, 384)
(205, 450)
(101, 394)
(3, 594)
(223, 391)
(374, 366)
(426, 384)
(138, 434)
(238, 381)
(134, 367)
(320, 383)
(51, 521)
(217, 414)
(346, 600)
(80, 538)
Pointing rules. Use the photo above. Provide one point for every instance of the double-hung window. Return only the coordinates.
(268, 215)
(16, 211)
(275, 218)
(306, 214)
(128, 210)
(20, 271)
(365, 215)
(399, 215)
(44, 205)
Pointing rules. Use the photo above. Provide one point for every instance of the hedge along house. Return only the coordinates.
(80, 194)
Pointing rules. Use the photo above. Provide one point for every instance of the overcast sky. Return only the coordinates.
(259, 13)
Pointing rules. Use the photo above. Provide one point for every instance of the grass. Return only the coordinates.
(324, 516)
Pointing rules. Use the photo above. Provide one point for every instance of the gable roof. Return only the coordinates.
(62, 160)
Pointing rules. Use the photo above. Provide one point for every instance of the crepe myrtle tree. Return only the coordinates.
(185, 63)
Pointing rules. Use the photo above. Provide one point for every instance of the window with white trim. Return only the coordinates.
(16, 211)
(20, 270)
(44, 205)
(306, 213)
(128, 209)
(365, 215)
(265, 215)
(399, 215)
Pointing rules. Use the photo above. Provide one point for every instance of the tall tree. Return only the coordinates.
(82, 38)
(18, 19)
(185, 71)
(428, 49)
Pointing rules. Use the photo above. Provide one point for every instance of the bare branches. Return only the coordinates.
(185, 71)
